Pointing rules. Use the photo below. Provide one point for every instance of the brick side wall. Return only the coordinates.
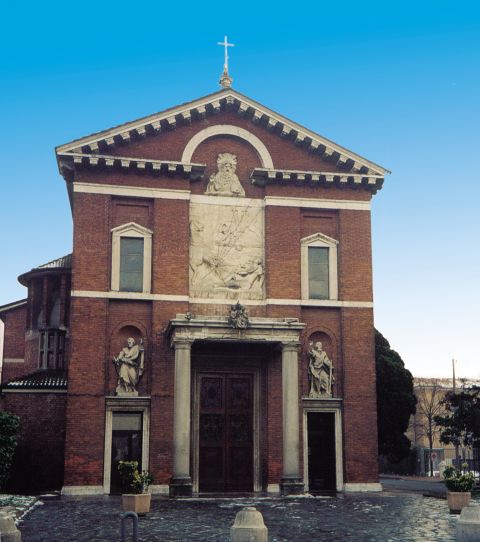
(38, 462)
(359, 406)
(14, 344)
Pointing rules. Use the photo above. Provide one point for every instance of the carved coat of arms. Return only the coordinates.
(238, 316)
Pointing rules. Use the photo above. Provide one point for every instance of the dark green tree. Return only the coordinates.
(461, 421)
(395, 401)
(9, 427)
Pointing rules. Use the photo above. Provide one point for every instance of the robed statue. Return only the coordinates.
(129, 365)
(320, 372)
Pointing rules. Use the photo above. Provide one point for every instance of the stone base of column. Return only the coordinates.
(180, 487)
(292, 486)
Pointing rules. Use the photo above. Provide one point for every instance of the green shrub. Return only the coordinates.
(9, 427)
(457, 480)
(134, 481)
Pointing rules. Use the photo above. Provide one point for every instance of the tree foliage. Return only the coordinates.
(9, 427)
(461, 421)
(395, 401)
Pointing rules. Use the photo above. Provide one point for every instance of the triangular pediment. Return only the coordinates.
(98, 144)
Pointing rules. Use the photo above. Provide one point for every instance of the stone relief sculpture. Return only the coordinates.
(225, 182)
(238, 316)
(129, 365)
(226, 252)
(320, 372)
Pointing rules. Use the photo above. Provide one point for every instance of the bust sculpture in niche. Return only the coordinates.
(320, 372)
(129, 365)
(225, 182)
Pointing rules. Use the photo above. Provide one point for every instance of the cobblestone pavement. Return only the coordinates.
(374, 518)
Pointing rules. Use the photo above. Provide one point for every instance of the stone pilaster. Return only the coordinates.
(181, 481)
(291, 483)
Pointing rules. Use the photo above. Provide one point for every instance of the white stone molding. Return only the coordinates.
(263, 176)
(132, 230)
(362, 487)
(324, 405)
(130, 191)
(217, 328)
(13, 360)
(186, 170)
(226, 200)
(123, 404)
(352, 205)
(76, 491)
(159, 489)
(230, 130)
(137, 296)
(209, 301)
(319, 240)
(273, 489)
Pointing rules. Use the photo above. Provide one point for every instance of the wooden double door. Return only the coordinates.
(225, 432)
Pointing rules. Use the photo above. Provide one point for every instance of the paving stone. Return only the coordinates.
(360, 518)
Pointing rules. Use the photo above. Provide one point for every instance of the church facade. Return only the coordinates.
(215, 318)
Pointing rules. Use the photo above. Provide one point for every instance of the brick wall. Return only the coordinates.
(38, 462)
(97, 323)
(14, 344)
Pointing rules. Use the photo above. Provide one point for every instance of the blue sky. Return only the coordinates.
(397, 82)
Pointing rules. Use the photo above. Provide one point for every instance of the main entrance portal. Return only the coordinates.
(225, 432)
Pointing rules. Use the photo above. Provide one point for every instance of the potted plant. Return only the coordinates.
(459, 486)
(136, 484)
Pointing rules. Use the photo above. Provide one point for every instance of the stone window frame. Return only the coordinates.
(131, 229)
(324, 241)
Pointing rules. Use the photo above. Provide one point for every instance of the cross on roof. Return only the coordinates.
(225, 80)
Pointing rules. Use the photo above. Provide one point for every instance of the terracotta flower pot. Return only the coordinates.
(457, 500)
(139, 503)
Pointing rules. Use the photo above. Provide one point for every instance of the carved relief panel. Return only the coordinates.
(227, 251)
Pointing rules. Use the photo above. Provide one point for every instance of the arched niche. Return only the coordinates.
(232, 131)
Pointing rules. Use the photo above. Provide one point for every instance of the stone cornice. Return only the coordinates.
(225, 100)
(262, 176)
(190, 171)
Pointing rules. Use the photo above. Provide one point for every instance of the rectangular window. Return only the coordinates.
(318, 287)
(131, 264)
(51, 351)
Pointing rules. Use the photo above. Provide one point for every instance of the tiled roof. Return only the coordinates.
(49, 379)
(64, 261)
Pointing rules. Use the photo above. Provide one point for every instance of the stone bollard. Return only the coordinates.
(248, 526)
(468, 526)
(8, 529)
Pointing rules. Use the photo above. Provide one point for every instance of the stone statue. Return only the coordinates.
(225, 182)
(320, 372)
(129, 365)
(238, 316)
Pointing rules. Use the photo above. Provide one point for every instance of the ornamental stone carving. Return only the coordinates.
(226, 251)
(225, 182)
(129, 365)
(320, 372)
(238, 316)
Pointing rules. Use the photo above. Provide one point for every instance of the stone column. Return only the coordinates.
(291, 483)
(181, 482)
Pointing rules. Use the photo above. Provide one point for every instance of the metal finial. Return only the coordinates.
(225, 79)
